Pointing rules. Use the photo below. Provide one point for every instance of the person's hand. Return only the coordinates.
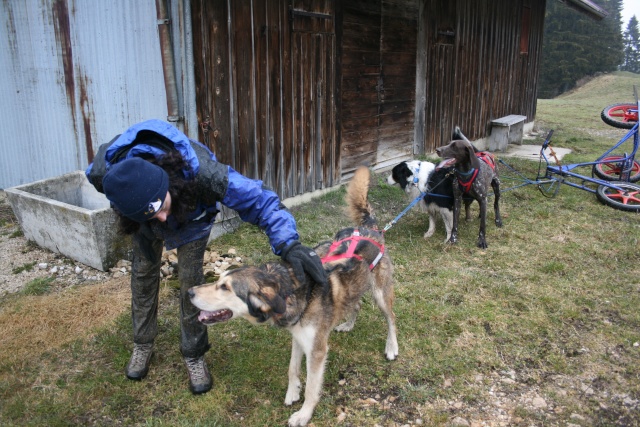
(304, 260)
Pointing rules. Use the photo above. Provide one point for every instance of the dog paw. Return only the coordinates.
(428, 234)
(391, 354)
(498, 223)
(482, 244)
(293, 395)
(300, 418)
(391, 350)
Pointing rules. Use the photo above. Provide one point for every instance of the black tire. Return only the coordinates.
(627, 200)
(609, 169)
(613, 115)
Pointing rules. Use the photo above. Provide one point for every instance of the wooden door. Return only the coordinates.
(440, 79)
(378, 82)
(397, 81)
(315, 153)
(265, 89)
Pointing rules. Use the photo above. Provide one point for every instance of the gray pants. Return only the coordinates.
(145, 286)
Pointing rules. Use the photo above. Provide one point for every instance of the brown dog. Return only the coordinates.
(355, 262)
(476, 174)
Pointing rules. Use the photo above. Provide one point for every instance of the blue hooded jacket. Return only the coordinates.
(218, 183)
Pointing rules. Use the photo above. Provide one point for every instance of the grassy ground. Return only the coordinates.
(540, 329)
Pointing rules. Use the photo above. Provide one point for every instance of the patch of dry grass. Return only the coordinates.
(32, 325)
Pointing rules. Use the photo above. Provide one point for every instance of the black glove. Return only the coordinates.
(304, 260)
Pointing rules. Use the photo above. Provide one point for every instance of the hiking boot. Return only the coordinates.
(139, 363)
(199, 378)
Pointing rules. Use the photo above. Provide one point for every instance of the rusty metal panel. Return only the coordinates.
(75, 74)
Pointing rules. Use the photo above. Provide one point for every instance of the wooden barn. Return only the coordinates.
(297, 93)
(301, 92)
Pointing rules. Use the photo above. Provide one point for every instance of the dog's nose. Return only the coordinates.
(191, 293)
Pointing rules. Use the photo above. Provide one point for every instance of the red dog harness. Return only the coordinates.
(467, 179)
(488, 158)
(350, 253)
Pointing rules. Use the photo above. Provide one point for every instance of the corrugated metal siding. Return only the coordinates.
(75, 74)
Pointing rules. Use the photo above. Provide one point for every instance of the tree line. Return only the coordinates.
(576, 46)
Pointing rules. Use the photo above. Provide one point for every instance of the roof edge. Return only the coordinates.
(588, 8)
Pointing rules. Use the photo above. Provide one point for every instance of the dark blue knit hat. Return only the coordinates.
(136, 188)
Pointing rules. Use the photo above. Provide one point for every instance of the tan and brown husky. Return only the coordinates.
(355, 262)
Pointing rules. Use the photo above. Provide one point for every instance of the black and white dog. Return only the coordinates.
(416, 177)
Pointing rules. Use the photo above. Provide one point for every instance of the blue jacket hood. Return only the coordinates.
(180, 141)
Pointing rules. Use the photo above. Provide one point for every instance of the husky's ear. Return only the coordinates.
(266, 300)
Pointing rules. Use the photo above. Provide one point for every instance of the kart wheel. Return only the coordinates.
(609, 170)
(625, 198)
(620, 115)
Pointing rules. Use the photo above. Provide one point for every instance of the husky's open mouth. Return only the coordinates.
(211, 317)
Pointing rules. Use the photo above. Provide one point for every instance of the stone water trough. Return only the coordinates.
(67, 215)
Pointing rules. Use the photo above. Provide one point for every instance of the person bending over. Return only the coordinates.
(166, 190)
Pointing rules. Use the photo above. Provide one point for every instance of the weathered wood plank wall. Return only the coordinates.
(398, 44)
(474, 69)
(299, 93)
(360, 79)
(265, 89)
(378, 77)
(314, 54)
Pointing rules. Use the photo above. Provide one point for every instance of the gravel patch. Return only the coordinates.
(22, 262)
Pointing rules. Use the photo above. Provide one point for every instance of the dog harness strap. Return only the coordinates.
(380, 254)
(350, 253)
(466, 184)
(377, 259)
(466, 179)
(350, 250)
(488, 158)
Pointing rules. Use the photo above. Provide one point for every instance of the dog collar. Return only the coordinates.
(466, 174)
(416, 172)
